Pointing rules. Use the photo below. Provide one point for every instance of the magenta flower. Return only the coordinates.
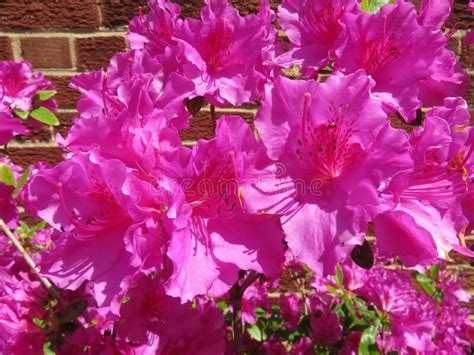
(325, 327)
(19, 86)
(155, 31)
(385, 44)
(224, 53)
(219, 237)
(21, 300)
(335, 148)
(154, 321)
(99, 207)
(314, 28)
(424, 216)
(8, 210)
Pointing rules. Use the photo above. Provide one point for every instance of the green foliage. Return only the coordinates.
(21, 114)
(45, 95)
(368, 341)
(22, 181)
(6, 175)
(43, 115)
(372, 6)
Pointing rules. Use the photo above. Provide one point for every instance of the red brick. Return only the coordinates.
(66, 120)
(192, 8)
(27, 156)
(47, 52)
(95, 52)
(201, 126)
(461, 17)
(467, 56)
(117, 13)
(48, 14)
(6, 48)
(470, 91)
(66, 97)
(40, 133)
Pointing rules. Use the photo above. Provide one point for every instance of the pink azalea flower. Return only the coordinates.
(10, 127)
(424, 216)
(434, 12)
(156, 322)
(325, 326)
(219, 238)
(99, 207)
(21, 300)
(411, 313)
(8, 209)
(224, 53)
(18, 87)
(313, 28)
(469, 38)
(155, 30)
(384, 44)
(334, 148)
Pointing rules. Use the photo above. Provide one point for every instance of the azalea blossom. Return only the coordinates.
(337, 148)
(314, 28)
(97, 206)
(212, 174)
(224, 52)
(424, 219)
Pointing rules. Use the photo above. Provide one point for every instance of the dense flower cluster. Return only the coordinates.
(147, 233)
(24, 95)
(388, 309)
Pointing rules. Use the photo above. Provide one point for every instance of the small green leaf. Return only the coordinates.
(255, 332)
(339, 275)
(48, 349)
(46, 94)
(23, 178)
(22, 114)
(39, 323)
(372, 6)
(6, 175)
(434, 271)
(45, 116)
(332, 290)
(367, 345)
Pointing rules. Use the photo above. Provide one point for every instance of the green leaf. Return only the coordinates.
(332, 290)
(22, 114)
(39, 323)
(6, 175)
(46, 94)
(434, 271)
(255, 332)
(367, 345)
(48, 349)
(23, 178)
(372, 6)
(222, 305)
(45, 116)
(426, 283)
(339, 275)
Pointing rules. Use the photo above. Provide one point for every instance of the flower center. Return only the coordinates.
(216, 47)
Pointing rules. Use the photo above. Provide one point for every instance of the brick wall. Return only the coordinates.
(64, 37)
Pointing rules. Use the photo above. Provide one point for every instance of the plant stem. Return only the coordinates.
(46, 283)
(236, 293)
(214, 118)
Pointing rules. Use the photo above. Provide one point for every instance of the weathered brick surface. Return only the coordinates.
(192, 8)
(37, 134)
(47, 52)
(48, 14)
(65, 122)
(27, 156)
(467, 56)
(117, 13)
(95, 52)
(66, 97)
(201, 125)
(461, 17)
(5, 48)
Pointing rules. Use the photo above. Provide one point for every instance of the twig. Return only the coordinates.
(214, 118)
(49, 286)
(236, 293)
